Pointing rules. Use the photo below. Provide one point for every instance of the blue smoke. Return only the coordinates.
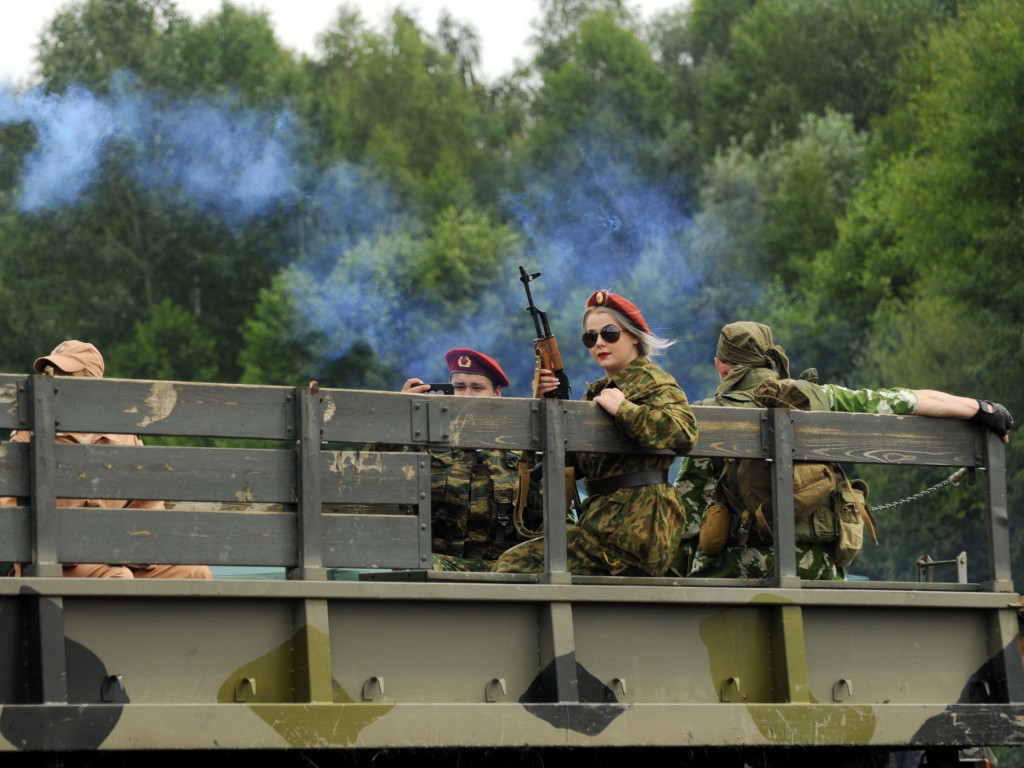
(234, 164)
(599, 224)
(593, 223)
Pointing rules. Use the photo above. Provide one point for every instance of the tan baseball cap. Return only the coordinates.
(73, 356)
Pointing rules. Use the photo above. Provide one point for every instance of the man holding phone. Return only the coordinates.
(471, 374)
(473, 492)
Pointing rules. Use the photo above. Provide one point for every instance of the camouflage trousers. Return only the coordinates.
(813, 562)
(584, 557)
(452, 563)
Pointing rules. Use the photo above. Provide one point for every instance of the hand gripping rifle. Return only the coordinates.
(545, 346)
(546, 350)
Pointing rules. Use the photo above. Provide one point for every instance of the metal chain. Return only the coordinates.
(955, 479)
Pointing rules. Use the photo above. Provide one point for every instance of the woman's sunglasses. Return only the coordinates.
(609, 333)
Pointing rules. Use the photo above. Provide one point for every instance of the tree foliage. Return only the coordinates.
(785, 58)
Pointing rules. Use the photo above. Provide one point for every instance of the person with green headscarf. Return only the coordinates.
(746, 356)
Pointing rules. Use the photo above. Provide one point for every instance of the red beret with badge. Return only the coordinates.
(471, 361)
(625, 306)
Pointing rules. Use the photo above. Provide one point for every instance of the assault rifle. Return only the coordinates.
(548, 357)
(545, 346)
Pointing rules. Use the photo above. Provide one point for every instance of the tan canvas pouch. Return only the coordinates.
(714, 529)
(812, 485)
(850, 503)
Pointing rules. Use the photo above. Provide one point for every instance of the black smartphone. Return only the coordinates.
(441, 389)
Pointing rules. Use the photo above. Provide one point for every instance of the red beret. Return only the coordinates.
(625, 306)
(471, 361)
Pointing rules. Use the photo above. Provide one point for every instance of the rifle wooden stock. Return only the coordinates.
(551, 359)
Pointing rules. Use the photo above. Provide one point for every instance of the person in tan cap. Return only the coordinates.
(79, 358)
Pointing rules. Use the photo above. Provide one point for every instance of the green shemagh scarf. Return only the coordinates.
(746, 345)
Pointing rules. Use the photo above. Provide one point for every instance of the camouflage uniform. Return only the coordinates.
(697, 479)
(629, 531)
(473, 495)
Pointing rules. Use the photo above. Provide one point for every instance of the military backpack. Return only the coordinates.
(827, 506)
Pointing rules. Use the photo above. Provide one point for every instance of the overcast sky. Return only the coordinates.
(503, 26)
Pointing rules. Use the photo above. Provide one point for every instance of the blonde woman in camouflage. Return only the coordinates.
(632, 520)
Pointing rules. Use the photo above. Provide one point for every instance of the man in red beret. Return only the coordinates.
(473, 491)
(79, 358)
(472, 373)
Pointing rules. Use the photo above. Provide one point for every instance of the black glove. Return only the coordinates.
(999, 421)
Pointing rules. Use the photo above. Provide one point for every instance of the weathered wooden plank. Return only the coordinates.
(373, 541)
(174, 473)
(237, 411)
(14, 469)
(12, 389)
(15, 535)
(118, 536)
(730, 432)
(864, 438)
(121, 536)
(354, 416)
(244, 475)
(175, 408)
(364, 477)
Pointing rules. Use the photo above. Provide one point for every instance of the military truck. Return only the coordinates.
(409, 665)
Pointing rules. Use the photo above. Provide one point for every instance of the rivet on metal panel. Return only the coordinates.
(111, 685)
(731, 691)
(245, 689)
(842, 689)
(373, 689)
(493, 687)
(423, 527)
(610, 694)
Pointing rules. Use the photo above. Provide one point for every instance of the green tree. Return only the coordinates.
(786, 58)
(558, 28)
(398, 103)
(236, 50)
(763, 218)
(278, 345)
(171, 345)
(465, 255)
(86, 43)
(609, 90)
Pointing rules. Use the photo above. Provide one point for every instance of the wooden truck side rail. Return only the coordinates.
(415, 659)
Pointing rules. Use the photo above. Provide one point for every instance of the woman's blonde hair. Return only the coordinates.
(648, 344)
